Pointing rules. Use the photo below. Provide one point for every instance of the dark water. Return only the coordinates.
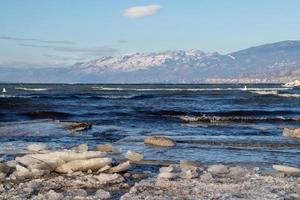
(211, 123)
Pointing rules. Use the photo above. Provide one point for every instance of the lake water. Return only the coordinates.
(220, 123)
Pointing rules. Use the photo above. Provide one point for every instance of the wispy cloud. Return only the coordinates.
(100, 51)
(141, 11)
(35, 40)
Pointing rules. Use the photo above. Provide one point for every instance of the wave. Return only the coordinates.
(32, 89)
(276, 93)
(234, 119)
(183, 89)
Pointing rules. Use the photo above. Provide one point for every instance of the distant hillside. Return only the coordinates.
(277, 62)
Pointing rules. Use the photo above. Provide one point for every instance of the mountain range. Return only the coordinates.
(269, 63)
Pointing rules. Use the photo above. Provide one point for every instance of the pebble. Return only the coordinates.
(134, 156)
(160, 141)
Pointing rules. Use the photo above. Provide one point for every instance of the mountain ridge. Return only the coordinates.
(274, 62)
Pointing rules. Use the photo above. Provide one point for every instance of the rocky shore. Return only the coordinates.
(107, 173)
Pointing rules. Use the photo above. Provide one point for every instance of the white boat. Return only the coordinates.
(4, 90)
(292, 84)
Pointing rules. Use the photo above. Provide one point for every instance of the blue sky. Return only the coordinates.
(62, 32)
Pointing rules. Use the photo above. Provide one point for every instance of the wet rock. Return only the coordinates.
(77, 127)
(287, 169)
(104, 148)
(293, 133)
(160, 141)
(134, 156)
(170, 168)
(81, 148)
(120, 168)
(109, 178)
(102, 194)
(218, 169)
(36, 147)
(84, 165)
(52, 195)
(140, 175)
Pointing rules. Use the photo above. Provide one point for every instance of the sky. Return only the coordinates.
(50, 33)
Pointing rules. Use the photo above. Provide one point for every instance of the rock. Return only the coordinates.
(76, 193)
(188, 165)
(160, 141)
(238, 172)
(11, 163)
(77, 127)
(167, 175)
(218, 169)
(102, 194)
(36, 147)
(293, 133)
(84, 165)
(4, 168)
(104, 148)
(23, 172)
(52, 195)
(81, 148)
(170, 168)
(189, 174)
(134, 156)
(50, 165)
(58, 155)
(109, 178)
(104, 169)
(120, 168)
(140, 175)
(287, 169)
(206, 177)
(2, 175)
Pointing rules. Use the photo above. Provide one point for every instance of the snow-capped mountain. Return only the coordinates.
(277, 62)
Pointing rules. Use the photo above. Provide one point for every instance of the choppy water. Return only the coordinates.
(211, 123)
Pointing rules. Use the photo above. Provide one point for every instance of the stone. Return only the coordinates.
(2, 175)
(109, 178)
(287, 169)
(50, 165)
(36, 147)
(104, 169)
(189, 173)
(84, 165)
(102, 194)
(238, 172)
(76, 193)
(188, 165)
(120, 168)
(170, 168)
(77, 127)
(167, 175)
(52, 195)
(104, 148)
(134, 156)
(140, 175)
(11, 163)
(4, 168)
(81, 148)
(58, 155)
(160, 141)
(218, 169)
(293, 133)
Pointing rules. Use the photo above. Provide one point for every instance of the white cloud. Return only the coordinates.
(141, 11)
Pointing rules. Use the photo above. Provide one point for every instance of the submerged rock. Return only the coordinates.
(102, 194)
(160, 141)
(287, 169)
(84, 165)
(104, 148)
(293, 133)
(134, 156)
(77, 127)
